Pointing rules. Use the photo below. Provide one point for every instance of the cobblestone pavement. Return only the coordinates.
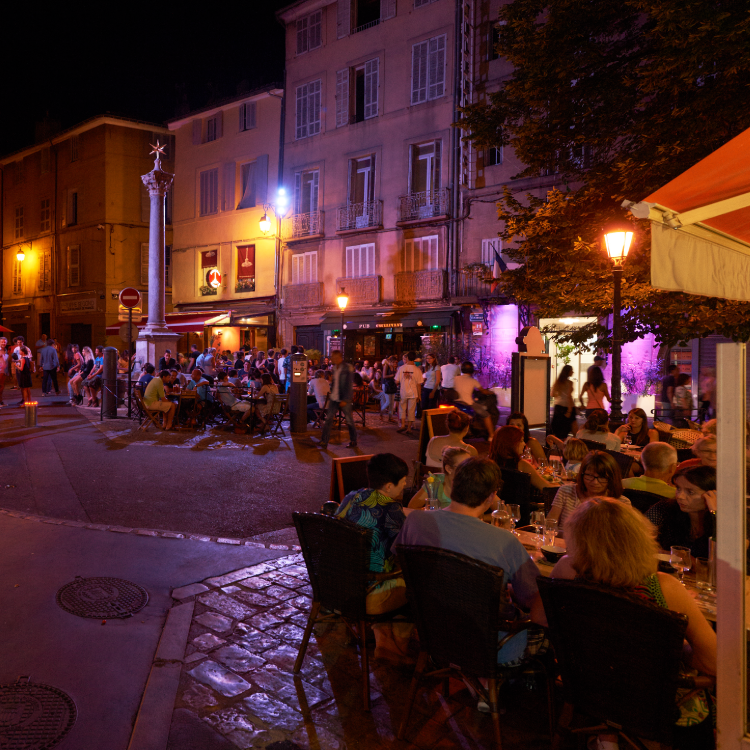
(237, 689)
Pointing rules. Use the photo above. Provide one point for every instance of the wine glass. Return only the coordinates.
(501, 518)
(537, 521)
(515, 514)
(550, 530)
(680, 560)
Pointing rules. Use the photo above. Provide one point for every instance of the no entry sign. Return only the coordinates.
(130, 297)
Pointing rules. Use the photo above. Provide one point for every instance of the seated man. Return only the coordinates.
(460, 528)
(201, 386)
(155, 399)
(147, 374)
(377, 508)
(167, 362)
(233, 379)
(226, 396)
(179, 379)
(319, 389)
(659, 462)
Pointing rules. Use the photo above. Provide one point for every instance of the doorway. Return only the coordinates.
(44, 325)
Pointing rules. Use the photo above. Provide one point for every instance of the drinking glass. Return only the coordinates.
(515, 514)
(703, 575)
(680, 560)
(557, 467)
(550, 531)
(537, 521)
(501, 518)
(628, 438)
(431, 487)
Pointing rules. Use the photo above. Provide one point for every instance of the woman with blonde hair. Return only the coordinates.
(74, 384)
(453, 457)
(611, 544)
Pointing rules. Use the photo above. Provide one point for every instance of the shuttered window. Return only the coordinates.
(45, 264)
(387, 9)
(420, 254)
(309, 34)
(209, 192)
(18, 226)
(305, 268)
(17, 282)
(306, 186)
(247, 116)
(74, 265)
(45, 223)
(144, 263)
(428, 69)
(371, 88)
(308, 109)
(343, 18)
(342, 97)
(360, 261)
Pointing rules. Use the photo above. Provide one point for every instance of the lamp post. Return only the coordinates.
(342, 300)
(617, 239)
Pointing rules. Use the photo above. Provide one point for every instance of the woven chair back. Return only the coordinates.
(619, 656)
(622, 460)
(455, 601)
(277, 403)
(337, 555)
(517, 490)
(594, 445)
(641, 499)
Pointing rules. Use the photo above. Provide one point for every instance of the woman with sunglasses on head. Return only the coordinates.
(599, 476)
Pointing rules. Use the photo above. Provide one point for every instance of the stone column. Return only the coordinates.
(156, 337)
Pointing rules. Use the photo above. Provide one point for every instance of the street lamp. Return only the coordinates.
(617, 238)
(342, 300)
(20, 255)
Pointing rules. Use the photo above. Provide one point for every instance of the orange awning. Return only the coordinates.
(178, 322)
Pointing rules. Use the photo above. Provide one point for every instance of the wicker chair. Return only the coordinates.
(337, 556)
(517, 490)
(594, 445)
(456, 604)
(619, 659)
(624, 461)
(641, 499)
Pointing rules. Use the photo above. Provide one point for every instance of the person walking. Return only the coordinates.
(667, 393)
(342, 392)
(50, 362)
(595, 389)
(409, 378)
(431, 384)
(564, 415)
(390, 388)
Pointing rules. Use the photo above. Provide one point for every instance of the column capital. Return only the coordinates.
(157, 180)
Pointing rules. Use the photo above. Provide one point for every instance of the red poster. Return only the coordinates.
(209, 259)
(245, 268)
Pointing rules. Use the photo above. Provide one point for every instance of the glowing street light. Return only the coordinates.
(20, 255)
(342, 300)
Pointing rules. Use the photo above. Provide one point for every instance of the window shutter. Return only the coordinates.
(370, 263)
(314, 30)
(145, 205)
(197, 132)
(301, 118)
(342, 97)
(219, 118)
(74, 265)
(242, 117)
(343, 18)
(247, 116)
(297, 192)
(301, 35)
(371, 88)
(261, 180)
(230, 177)
(432, 253)
(295, 269)
(16, 276)
(144, 263)
(313, 100)
(314, 191)
(419, 73)
(437, 67)
(387, 9)
(436, 166)
(72, 208)
(350, 273)
(406, 260)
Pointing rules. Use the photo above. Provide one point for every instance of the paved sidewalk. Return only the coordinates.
(237, 689)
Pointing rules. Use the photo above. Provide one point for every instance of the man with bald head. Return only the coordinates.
(659, 462)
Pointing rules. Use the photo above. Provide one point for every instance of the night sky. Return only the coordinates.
(71, 63)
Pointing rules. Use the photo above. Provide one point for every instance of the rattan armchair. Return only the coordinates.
(642, 500)
(337, 556)
(456, 602)
(619, 658)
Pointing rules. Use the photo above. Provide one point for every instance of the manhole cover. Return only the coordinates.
(105, 598)
(34, 717)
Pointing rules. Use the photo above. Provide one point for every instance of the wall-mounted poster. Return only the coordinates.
(210, 259)
(245, 268)
(371, 343)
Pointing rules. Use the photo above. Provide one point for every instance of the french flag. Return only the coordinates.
(498, 268)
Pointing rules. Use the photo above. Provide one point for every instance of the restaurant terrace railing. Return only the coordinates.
(359, 216)
(303, 225)
(424, 205)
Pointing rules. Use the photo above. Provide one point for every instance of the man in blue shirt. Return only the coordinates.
(93, 383)
(50, 362)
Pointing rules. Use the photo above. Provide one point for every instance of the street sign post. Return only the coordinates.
(130, 298)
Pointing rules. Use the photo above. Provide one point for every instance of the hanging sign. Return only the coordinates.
(213, 278)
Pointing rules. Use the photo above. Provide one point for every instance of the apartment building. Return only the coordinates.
(225, 265)
(388, 202)
(75, 220)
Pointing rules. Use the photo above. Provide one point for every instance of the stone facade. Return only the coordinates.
(362, 291)
(303, 295)
(419, 286)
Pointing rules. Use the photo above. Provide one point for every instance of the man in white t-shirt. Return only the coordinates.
(410, 378)
(464, 385)
(449, 373)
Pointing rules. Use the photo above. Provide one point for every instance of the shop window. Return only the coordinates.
(209, 262)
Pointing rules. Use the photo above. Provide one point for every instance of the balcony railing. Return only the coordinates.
(298, 226)
(359, 216)
(303, 295)
(470, 283)
(425, 205)
(364, 290)
(365, 26)
(416, 286)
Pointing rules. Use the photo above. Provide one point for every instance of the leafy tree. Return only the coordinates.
(617, 98)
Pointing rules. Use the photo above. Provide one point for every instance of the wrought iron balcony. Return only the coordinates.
(424, 206)
(359, 216)
(471, 282)
(416, 286)
(298, 226)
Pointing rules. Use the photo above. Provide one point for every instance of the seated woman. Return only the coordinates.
(506, 450)
(574, 451)
(599, 476)
(596, 428)
(705, 454)
(638, 429)
(377, 508)
(612, 545)
(268, 388)
(458, 426)
(687, 521)
(452, 459)
(518, 419)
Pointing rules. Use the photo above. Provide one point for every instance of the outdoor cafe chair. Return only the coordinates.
(619, 658)
(624, 461)
(276, 415)
(456, 603)
(147, 417)
(642, 500)
(337, 556)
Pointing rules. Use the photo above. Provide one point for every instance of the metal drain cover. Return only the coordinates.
(102, 598)
(34, 717)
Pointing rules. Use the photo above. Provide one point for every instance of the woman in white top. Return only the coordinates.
(596, 428)
(458, 426)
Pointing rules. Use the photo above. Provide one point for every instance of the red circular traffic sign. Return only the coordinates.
(130, 297)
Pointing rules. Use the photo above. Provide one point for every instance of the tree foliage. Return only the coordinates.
(617, 98)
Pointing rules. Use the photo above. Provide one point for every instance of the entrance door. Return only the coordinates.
(80, 333)
(311, 337)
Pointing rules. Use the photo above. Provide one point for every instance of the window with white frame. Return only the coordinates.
(428, 60)
(308, 109)
(247, 116)
(493, 156)
(45, 223)
(17, 280)
(360, 261)
(75, 147)
(45, 265)
(306, 186)
(309, 32)
(18, 226)
(424, 167)
(211, 129)
(420, 254)
(305, 268)
(209, 192)
(489, 248)
(74, 265)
